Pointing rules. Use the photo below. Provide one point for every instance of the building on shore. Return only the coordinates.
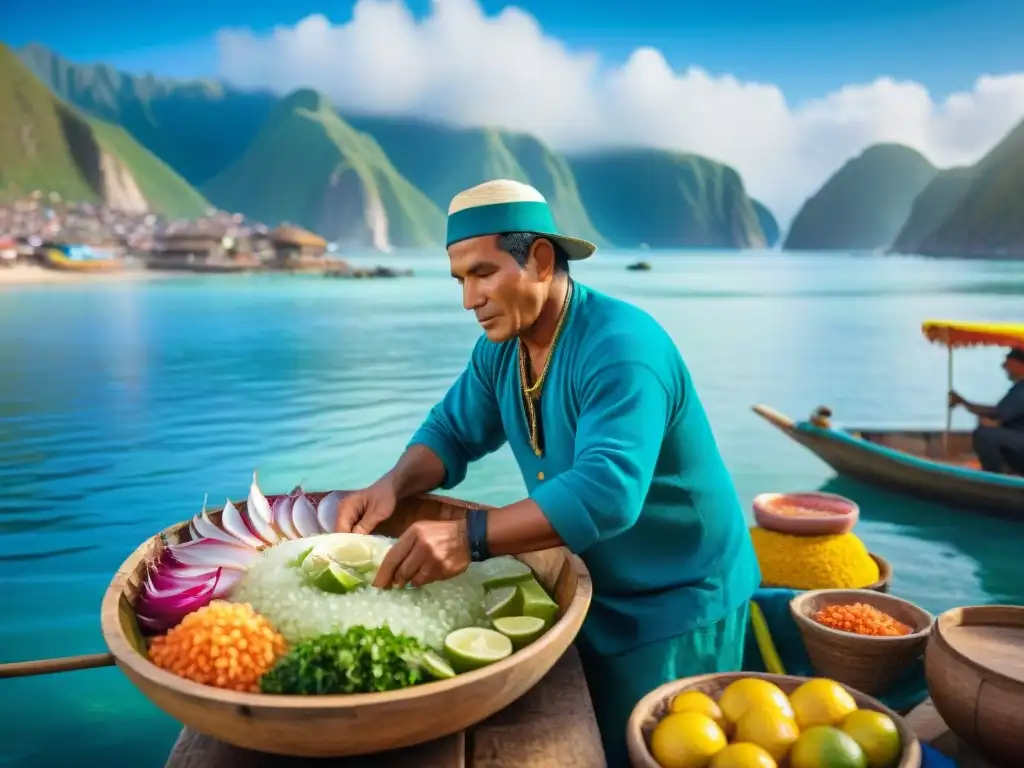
(207, 245)
(297, 249)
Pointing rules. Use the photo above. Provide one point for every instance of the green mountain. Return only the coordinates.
(310, 167)
(768, 222)
(196, 127)
(988, 220)
(666, 200)
(931, 208)
(242, 150)
(864, 204)
(48, 145)
(443, 160)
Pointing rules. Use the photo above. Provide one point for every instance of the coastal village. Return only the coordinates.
(42, 230)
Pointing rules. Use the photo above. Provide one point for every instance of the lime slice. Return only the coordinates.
(536, 602)
(505, 573)
(475, 647)
(297, 561)
(521, 630)
(504, 601)
(354, 553)
(436, 667)
(336, 578)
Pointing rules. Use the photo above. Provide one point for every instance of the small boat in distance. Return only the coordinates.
(937, 465)
(640, 266)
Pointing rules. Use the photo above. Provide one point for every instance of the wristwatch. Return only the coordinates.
(476, 534)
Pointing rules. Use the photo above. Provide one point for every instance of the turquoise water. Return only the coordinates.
(122, 404)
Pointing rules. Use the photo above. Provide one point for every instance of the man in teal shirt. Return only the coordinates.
(615, 449)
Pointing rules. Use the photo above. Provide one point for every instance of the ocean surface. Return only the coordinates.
(121, 405)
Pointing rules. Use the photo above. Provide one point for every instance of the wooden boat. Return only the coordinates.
(80, 258)
(937, 465)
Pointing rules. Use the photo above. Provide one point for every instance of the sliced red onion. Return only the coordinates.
(193, 532)
(167, 577)
(236, 525)
(153, 593)
(282, 516)
(151, 626)
(215, 554)
(304, 517)
(227, 582)
(327, 511)
(176, 606)
(260, 515)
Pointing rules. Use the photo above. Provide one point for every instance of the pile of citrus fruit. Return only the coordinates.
(753, 724)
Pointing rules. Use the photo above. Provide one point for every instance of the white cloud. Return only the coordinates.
(460, 66)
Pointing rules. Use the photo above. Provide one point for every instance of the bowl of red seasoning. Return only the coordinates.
(860, 637)
(812, 513)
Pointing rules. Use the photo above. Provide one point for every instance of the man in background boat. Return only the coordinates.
(614, 446)
(999, 437)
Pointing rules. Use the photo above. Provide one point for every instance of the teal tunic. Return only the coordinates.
(631, 477)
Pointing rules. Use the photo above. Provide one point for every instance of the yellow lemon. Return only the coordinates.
(876, 734)
(741, 694)
(743, 755)
(769, 729)
(826, 747)
(695, 701)
(821, 702)
(686, 740)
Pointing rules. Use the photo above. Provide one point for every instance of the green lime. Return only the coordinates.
(336, 578)
(436, 667)
(474, 647)
(826, 747)
(503, 601)
(521, 630)
(297, 561)
(354, 553)
(537, 602)
(506, 573)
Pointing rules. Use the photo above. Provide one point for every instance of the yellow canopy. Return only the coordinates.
(953, 334)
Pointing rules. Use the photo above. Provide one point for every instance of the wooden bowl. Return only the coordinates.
(869, 664)
(654, 706)
(334, 726)
(974, 663)
(884, 583)
(827, 514)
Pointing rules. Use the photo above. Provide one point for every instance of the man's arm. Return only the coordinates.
(464, 427)
(1011, 408)
(624, 412)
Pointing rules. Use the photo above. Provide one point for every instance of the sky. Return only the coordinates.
(784, 90)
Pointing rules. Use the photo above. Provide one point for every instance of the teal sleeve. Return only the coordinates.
(623, 418)
(466, 425)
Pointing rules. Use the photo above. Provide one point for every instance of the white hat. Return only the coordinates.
(500, 206)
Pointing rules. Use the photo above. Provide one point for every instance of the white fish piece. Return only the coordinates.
(304, 517)
(327, 511)
(260, 515)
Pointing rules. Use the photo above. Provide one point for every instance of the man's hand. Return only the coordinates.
(985, 421)
(430, 550)
(362, 511)
(955, 399)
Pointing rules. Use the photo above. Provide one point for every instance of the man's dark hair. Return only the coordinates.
(518, 244)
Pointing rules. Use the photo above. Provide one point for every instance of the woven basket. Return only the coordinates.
(654, 706)
(869, 664)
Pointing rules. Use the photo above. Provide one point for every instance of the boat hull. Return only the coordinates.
(896, 469)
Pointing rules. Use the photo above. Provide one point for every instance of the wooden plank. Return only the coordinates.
(927, 723)
(552, 726)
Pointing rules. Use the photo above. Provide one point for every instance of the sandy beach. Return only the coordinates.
(31, 275)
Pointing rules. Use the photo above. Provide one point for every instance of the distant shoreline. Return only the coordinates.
(34, 275)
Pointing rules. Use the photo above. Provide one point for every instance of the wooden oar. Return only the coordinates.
(49, 666)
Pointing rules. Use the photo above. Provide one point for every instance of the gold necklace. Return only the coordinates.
(532, 393)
